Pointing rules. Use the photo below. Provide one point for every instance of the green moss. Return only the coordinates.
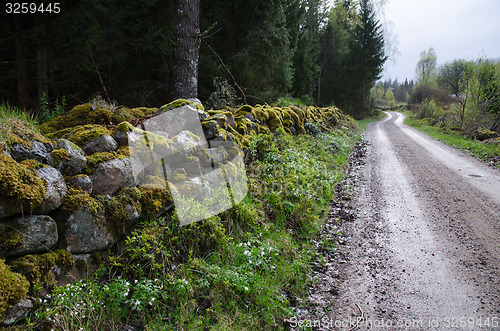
(124, 150)
(274, 121)
(20, 186)
(59, 154)
(33, 164)
(243, 110)
(154, 200)
(124, 127)
(116, 211)
(261, 114)
(87, 114)
(97, 158)
(179, 103)
(143, 110)
(80, 135)
(13, 288)
(37, 268)
(9, 238)
(77, 198)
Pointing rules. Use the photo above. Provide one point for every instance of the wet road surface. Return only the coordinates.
(423, 252)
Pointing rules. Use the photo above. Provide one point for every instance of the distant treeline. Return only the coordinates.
(253, 51)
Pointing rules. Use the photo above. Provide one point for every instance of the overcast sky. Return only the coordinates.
(457, 29)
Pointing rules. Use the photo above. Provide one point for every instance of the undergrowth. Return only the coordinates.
(484, 150)
(243, 269)
(14, 124)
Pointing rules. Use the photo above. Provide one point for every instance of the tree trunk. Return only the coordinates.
(187, 50)
(23, 98)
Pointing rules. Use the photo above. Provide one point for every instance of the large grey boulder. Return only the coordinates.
(86, 232)
(104, 143)
(74, 162)
(38, 234)
(56, 190)
(110, 176)
(37, 151)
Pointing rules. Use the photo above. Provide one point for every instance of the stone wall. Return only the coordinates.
(72, 191)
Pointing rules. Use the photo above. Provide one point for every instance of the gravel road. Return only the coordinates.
(423, 252)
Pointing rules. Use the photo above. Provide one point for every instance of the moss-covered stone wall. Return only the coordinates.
(92, 214)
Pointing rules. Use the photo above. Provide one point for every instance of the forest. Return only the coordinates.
(147, 52)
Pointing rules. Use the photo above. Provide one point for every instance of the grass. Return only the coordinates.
(485, 151)
(244, 269)
(15, 122)
(363, 123)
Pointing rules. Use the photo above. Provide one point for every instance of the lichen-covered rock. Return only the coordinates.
(69, 159)
(20, 311)
(94, 114)
(76, 198)
(43, 268)
(485, 134)
(182, 102)
(87, 232)
(155, 201)
(211, 129)
(35, 150)
(101, 144)
(21, 189)
(121, 132)
(13, 287)
(83, 182)
(82, 134)
(110, 176)
(56, 190)
(122, 210)
(38, 233)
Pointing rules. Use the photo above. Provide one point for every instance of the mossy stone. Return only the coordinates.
(77, 198)
(82, 134)
(243, 110)
(20, 187)
(37, 268)
(13, 287)
(86, 114)
(179, 103)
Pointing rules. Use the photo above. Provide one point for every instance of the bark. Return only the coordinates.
(187, 50)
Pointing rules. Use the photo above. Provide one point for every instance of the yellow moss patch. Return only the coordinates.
(9, 238)
(179, 103)
(13, 287)
(36, 268)
(80, 135)
(154, 200)
(87, 114)
(77, 198)
(97, 158)
(116, 209)
(20, 186)
(59, 154)
(243, 110)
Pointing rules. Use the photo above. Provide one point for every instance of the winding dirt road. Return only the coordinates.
(423, 252)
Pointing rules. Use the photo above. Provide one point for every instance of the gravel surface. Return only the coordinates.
(420, 247)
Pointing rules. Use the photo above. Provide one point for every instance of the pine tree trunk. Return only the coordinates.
(187, 50)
